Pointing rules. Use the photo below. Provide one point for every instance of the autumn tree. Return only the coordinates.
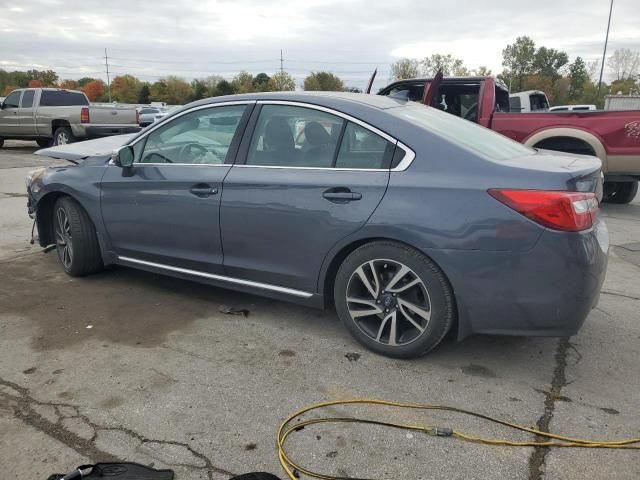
(49, 78)
(323, 81)
(68, 84)
(93, 89)
(125, 89)
(8, 89)
(281, 82)
(243, 83)
(171, 90)
(35, 83)
(405, 68)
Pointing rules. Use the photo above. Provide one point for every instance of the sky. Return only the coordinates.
(197, 38)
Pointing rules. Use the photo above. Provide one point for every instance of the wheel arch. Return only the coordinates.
(44, 214)
(587, 138)
(57, 123)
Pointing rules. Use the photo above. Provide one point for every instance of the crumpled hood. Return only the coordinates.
(89, 148)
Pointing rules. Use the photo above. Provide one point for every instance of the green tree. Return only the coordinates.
(626, 86)
(261, 82)
(323, 81)
(176, 90)
(578, 77)
(518, 59)
(447, 63)
(281, 81)
(224, 88)
(243, 83)
(143, 95)
(482, 71)
(405, 68)
(48, 77)
(199, 89)
(549, 62)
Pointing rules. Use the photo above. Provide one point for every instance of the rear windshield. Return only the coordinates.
(462, 132)
(62, 98)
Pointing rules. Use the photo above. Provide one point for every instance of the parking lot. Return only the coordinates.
(134, 366)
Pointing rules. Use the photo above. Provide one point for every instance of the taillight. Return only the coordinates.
(567, 211)
(84, 115)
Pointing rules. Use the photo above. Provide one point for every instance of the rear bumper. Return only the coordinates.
(98, 131)
(546, 291)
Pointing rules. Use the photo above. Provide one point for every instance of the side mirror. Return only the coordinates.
(2, 106)
(123, 157)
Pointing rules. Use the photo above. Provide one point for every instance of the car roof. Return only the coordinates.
(319, 98)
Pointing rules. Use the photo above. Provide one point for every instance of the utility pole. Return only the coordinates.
(106, 64)
(281, 60)
(604, 54)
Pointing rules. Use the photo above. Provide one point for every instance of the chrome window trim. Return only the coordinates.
(181, 164)
(222, 278)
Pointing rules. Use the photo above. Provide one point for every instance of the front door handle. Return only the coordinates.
(341, 195)
(203, 190)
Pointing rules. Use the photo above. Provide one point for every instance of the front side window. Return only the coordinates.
(13, 100)
(200, 137)
(288, 136)
(27, 99)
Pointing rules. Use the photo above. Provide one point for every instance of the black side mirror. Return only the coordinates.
(123, 157)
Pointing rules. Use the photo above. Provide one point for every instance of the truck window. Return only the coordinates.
(538, 102)
(62, 98)
(515, 105)
(413, 93)
(459, 99)
(27, 99)
(13, 100)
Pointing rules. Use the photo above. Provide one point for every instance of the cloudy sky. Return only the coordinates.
(196, 38)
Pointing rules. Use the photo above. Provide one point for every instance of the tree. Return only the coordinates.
(243, 83)
(198, 89)
(578, 77)
(352, 89)
(84, 80)
(281, 81)
(261, 82)
(447, 63)
(518, 59)
(93, 89)
(49, 77)
(224, 88)
(482, 71)
(143, 95)
(35, 84)
(626, 86)
(624, 63)
(68, 84)
(549, 62)
(125, 89)
(8, 89)
(171, 90)
(405, 68)
(323, 81)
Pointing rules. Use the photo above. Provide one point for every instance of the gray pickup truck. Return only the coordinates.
(53, 116)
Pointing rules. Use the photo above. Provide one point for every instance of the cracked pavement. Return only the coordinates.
(127, 365)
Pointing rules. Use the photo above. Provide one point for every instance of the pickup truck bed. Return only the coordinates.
(612, 136)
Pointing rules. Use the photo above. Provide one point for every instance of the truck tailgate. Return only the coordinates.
(112, 115)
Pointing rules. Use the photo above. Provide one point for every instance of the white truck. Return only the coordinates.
(528, 101)
(54, 116)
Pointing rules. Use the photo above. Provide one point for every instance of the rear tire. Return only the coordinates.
(409, 303)
(44, 142)
(620, 192)
(76, 240)
(63, 136)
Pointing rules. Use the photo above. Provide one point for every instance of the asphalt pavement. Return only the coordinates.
(129, 365)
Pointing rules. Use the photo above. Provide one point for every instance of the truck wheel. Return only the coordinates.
(44, 142)
(620, 192)
(63, 136)
(76, 241)
(1, 142)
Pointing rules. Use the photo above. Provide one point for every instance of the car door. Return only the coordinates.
(9, 119)
(165, 208)
(25, 114)
(304, 179)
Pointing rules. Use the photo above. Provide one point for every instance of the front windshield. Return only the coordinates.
(462, 132)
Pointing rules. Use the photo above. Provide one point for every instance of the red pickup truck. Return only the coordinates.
(613, 136)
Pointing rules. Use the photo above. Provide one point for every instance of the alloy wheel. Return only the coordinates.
(63, 138)
(389, 302)
(64, 241)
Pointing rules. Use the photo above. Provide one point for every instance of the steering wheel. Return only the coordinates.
(188, 151)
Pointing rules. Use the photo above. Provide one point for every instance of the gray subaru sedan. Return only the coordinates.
(411, 222)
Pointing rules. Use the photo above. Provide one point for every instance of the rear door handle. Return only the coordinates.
(203, 190)
(341, 195)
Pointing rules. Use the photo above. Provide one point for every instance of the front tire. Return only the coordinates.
(44, 142)
(76, 241)
(394, 300)
(63, 136)
(620, 192)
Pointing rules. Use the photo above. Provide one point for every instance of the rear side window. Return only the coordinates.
(146, 111)
(62, 98)
(361, 148)
(27, 99)
(515, 105)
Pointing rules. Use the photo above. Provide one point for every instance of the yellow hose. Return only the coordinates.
(289, 466)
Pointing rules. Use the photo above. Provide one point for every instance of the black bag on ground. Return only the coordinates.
(115, 471)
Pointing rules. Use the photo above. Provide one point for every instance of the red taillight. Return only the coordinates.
(84, 115)
(567, 211)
